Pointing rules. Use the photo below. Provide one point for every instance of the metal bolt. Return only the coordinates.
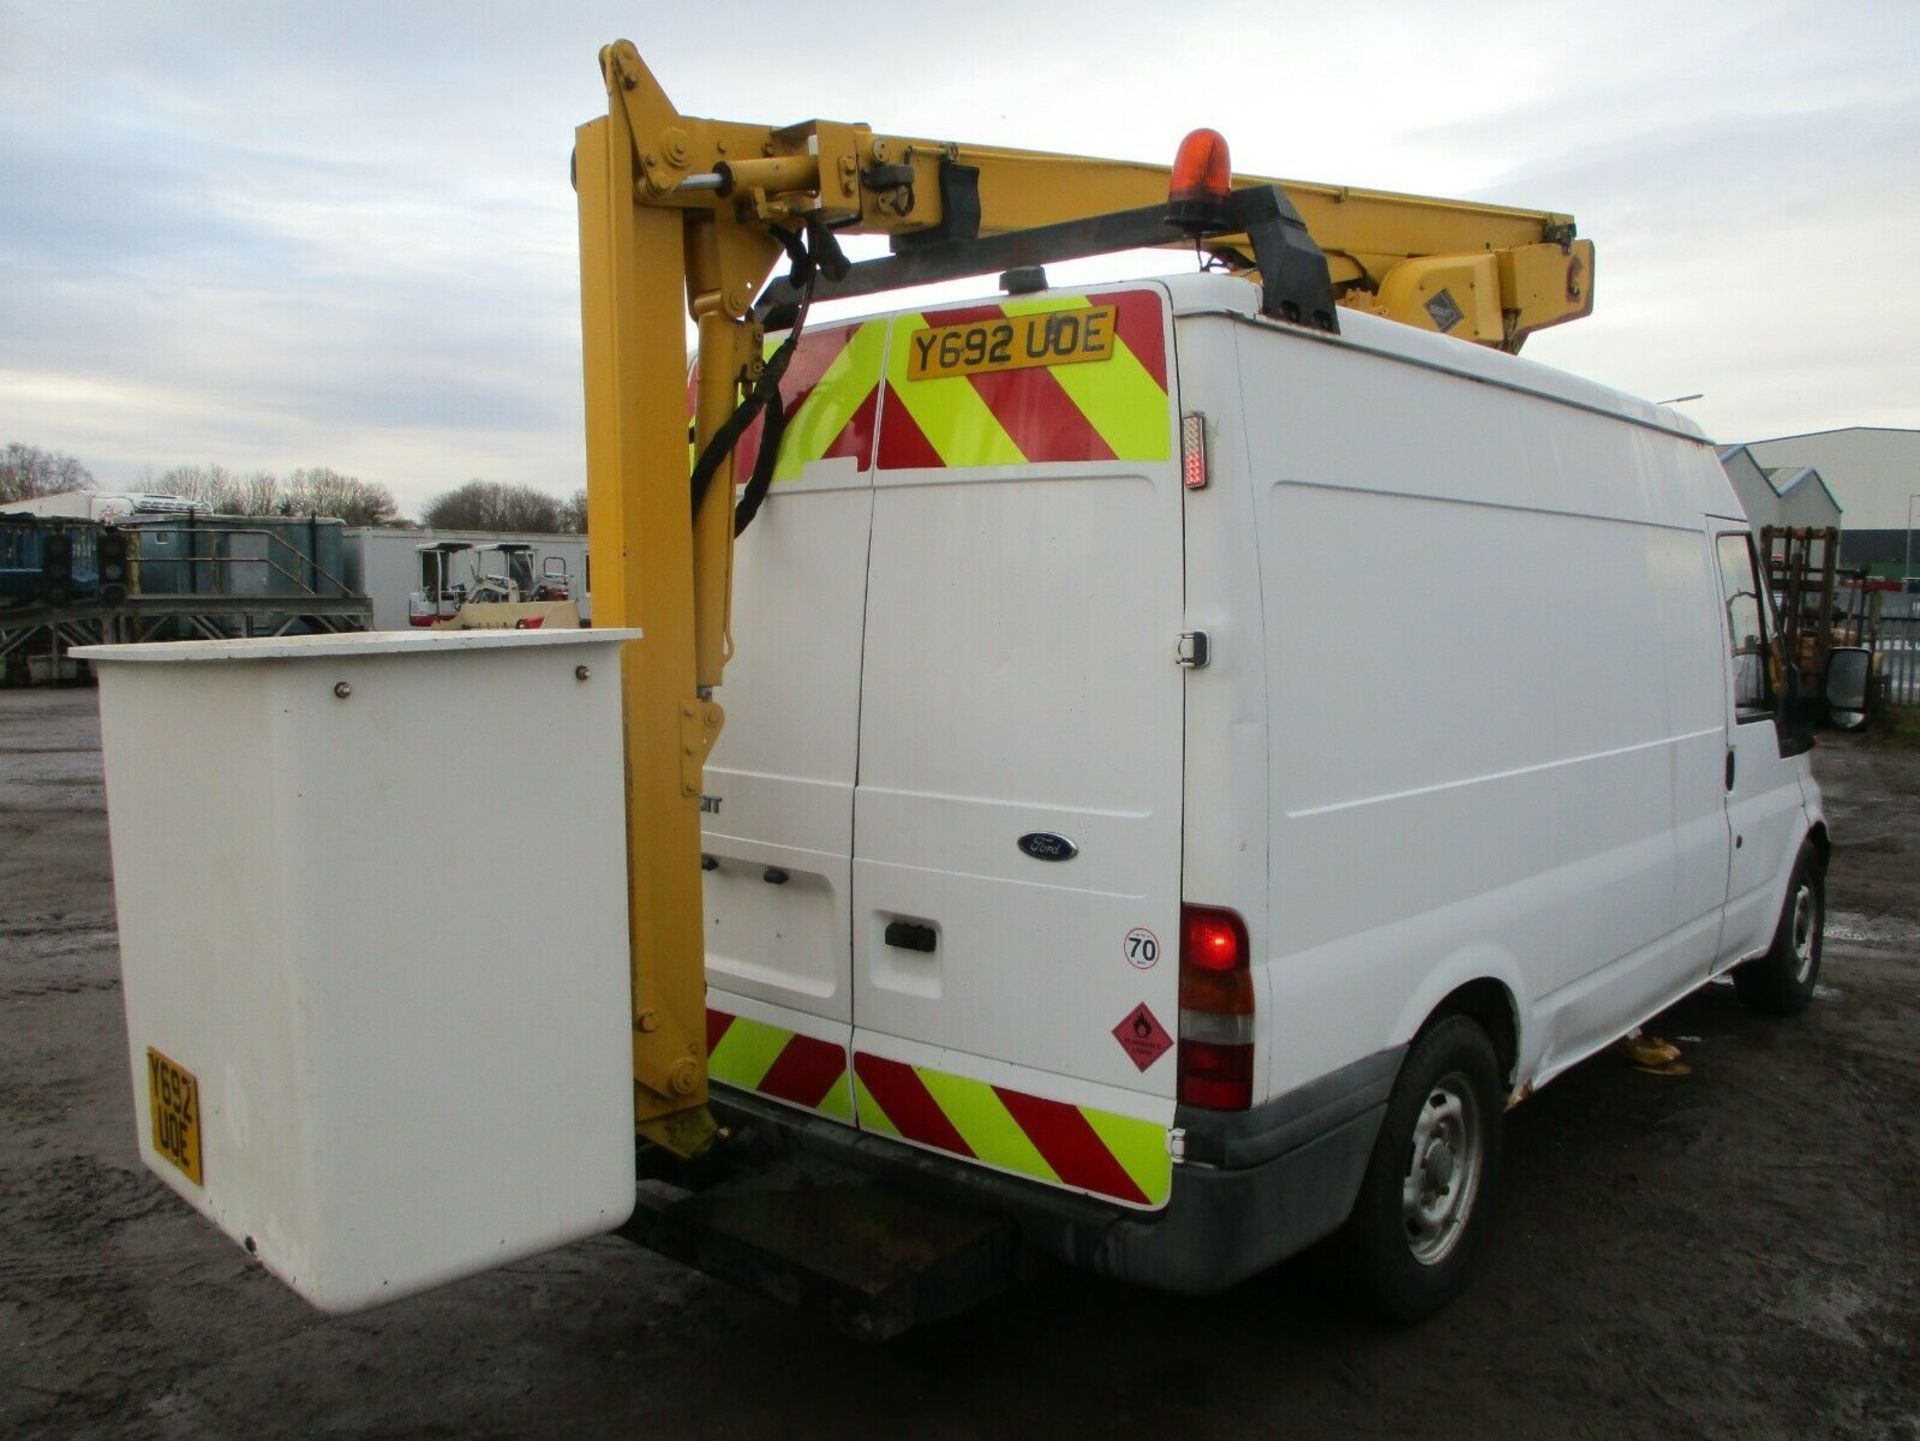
(342, 690)
(684, 1076)
(646, 1021)
(581, 672)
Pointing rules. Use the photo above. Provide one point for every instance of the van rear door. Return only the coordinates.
(1016, 872)
(1765, 807)
(778, 825)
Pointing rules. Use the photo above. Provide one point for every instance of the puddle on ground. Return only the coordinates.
(1879, 932)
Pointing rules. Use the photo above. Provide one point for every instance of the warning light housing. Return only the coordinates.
(1201, 182)
(1216, 1010)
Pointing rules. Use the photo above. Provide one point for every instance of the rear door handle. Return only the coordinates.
(909, 937)
(1729, 770)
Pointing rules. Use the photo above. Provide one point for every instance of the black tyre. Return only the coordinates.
(1411, 1239)
(1781, 982)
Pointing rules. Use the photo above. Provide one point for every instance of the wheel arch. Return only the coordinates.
(1491, 1004)
(1822, 843)
(1486, 983)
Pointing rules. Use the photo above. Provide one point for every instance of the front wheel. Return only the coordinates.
(1422, 1204)
(1781, 982)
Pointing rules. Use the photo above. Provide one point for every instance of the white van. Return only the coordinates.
(1197, 772)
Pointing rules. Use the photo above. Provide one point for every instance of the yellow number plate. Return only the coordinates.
(1018, 342)
(173, 1096)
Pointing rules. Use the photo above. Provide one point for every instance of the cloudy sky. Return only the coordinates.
(273, 235)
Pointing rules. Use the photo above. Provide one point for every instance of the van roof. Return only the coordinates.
(1218, 293)
(1199, 294)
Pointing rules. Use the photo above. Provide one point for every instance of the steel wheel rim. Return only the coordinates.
(1443, 1170)
(1802, 933)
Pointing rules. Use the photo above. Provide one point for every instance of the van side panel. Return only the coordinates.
(1487, 687)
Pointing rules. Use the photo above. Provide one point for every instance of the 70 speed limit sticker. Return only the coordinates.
(1142, 948)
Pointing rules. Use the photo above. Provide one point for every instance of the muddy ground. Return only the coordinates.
(1734, 1253)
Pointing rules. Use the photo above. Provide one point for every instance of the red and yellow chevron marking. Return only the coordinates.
(1078, 1146)
(1117, 409)
(779, 1063)
(832, 398)
(1109, 1155)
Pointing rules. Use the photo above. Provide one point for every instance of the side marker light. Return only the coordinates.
(1193, 450)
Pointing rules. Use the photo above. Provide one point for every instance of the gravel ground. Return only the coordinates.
(1734, 1253)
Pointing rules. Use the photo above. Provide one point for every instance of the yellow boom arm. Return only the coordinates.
(678, 211)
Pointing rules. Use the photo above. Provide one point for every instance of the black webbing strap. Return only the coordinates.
(766, 389)
(817, 252)
(762, 477)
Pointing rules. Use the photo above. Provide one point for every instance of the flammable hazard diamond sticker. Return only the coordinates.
(1142, 1036)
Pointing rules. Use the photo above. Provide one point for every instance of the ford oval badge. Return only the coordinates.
(1046, 846)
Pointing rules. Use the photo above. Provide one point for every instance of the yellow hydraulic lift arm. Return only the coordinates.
(679, 211)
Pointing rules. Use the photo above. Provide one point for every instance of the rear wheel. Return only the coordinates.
(1781, 982)
(1420, 1213)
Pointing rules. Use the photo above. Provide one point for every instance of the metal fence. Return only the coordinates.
(1898, 646)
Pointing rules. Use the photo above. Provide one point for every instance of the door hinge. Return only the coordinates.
(1177, 1143)
(1194, 650)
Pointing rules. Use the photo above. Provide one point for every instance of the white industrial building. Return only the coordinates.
(1874, 472)
(383, 563)
(1783, 495)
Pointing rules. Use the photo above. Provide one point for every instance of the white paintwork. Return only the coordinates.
(1489, 688)
(1466, 719)
(930, 664)
(413, 1048)
(782, 773)
(1020, 677)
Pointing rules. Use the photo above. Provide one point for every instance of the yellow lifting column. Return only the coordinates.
(652, 567)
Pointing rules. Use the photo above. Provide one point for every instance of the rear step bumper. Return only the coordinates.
(876, 1260)
(1258, 1186)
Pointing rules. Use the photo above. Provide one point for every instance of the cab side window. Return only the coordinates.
(1748, 627)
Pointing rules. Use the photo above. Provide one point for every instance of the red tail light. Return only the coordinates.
(1216, 1010)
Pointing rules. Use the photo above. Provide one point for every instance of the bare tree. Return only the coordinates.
(212, 486)
(317, 491)
(321, 491)
(573, 512)
(489, 505)
(260, 494)
(27, 471)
